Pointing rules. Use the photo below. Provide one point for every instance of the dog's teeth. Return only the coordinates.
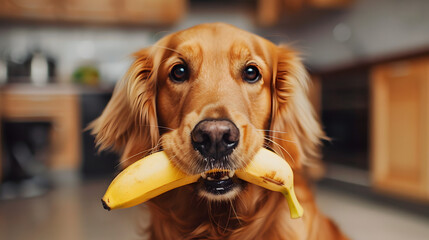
(210, 178)
(231, 173)
(204, 175)
(224, 177)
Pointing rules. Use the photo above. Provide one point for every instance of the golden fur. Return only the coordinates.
(149, 112)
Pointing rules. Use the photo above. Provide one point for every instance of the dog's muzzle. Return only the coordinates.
(218, 182)
(215, 139)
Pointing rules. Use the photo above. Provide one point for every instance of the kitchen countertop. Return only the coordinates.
(54, 88)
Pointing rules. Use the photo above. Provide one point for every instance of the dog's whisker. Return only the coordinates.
(148, 125)
(207, 166)
(278, 145)
(158, 145)
(151, 150)
(239, 197)
(211, 217)
(282, 139)
(166, 48)
(173, 157)
(266, 145)
(235, 212)
(227, 221)
(179, 163)
(158, 35)
(270, 144)
(268, 130)
(130, 157)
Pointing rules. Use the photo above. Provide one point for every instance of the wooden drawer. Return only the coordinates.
(35, 106)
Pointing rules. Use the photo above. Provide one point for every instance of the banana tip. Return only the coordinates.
(105, 206)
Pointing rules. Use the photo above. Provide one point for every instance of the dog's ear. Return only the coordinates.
(129, 120)
(295, 130)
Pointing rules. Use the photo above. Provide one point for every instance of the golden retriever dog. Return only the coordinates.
(211, 96)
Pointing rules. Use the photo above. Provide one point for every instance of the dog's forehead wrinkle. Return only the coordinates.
(218, 43)
(190, 50)
(240, 50)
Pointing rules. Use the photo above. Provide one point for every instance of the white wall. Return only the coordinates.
(377, 27)
(73, 46)
(108, 48)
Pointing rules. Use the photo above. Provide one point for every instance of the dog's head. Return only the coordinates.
(211, 96)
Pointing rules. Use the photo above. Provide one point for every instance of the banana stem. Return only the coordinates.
(296, 211)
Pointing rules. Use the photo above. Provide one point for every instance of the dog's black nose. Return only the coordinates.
(215, 138)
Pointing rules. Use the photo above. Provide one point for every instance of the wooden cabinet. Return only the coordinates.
(155, 12)
(330, 3)
(29, 9)
(91, 11)
(400, 128)
(56, 104)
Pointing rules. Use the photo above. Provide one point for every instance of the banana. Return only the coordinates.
(272, 172)
(155, 174)
(145, 179)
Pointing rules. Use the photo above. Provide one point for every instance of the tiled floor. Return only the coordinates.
(76, 213)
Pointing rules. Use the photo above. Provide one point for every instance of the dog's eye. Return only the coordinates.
(251, 74)
(179, 73)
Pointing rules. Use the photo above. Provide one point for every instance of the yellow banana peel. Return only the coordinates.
(145, 179)
(155, 174)
(272, 172)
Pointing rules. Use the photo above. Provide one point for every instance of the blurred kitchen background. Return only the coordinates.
(60, 59)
